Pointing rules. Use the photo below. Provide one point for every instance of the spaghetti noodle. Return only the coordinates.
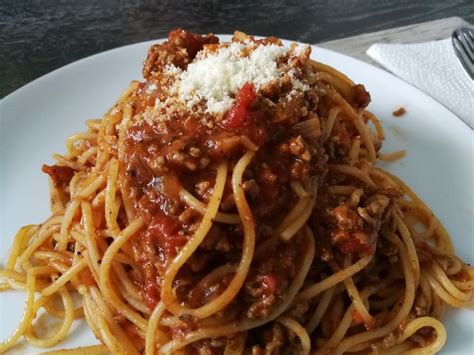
(236, 213)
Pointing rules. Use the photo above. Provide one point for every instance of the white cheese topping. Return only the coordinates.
(216, 77)
(295, 83)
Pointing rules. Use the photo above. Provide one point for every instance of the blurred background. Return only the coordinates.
(37, 37)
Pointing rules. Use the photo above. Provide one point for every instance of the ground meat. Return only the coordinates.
(274, 339)
(348, 233)
(267, 175)
(270, 277)
(195, 152)
(181, 157)
(289, 109)
(151, 90)
(424, 336)
(260, 308)
(374, 208)
(300, 170)
(203, 189)
(360, 96)
(61, 175)
(298, 148)
(210, 346)
(399, 112)
(346, 218)
(179, 50)
(376, 205)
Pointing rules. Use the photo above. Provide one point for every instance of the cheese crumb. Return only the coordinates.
(216, 77)
(295, 83)
(210, 83)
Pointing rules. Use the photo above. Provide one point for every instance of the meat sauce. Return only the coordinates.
(61, 175)
(159, 160)
(180, 50)
(184, 150)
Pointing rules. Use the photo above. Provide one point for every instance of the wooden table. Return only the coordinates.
(37, 37)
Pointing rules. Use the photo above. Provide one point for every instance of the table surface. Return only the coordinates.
(37, 37)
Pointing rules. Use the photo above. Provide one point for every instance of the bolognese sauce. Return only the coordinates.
(172, 146)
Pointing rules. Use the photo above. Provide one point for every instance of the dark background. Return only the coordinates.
(39, 36)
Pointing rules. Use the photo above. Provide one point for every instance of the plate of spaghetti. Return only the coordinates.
(242, 197)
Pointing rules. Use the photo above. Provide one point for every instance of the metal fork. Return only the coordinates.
(463, 43)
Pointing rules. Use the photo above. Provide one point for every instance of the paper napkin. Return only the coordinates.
(434, 68)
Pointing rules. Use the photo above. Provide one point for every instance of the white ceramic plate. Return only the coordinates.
(36, 120)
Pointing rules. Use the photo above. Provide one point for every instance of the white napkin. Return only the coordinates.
(434, 68)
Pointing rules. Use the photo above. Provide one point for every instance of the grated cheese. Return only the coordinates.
(151, 88)
(295, 83)
(216, 77)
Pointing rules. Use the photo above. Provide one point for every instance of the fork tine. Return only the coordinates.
(467, 38)
(467, 32)
(470, 32)
(463, 57)
(465, 43)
